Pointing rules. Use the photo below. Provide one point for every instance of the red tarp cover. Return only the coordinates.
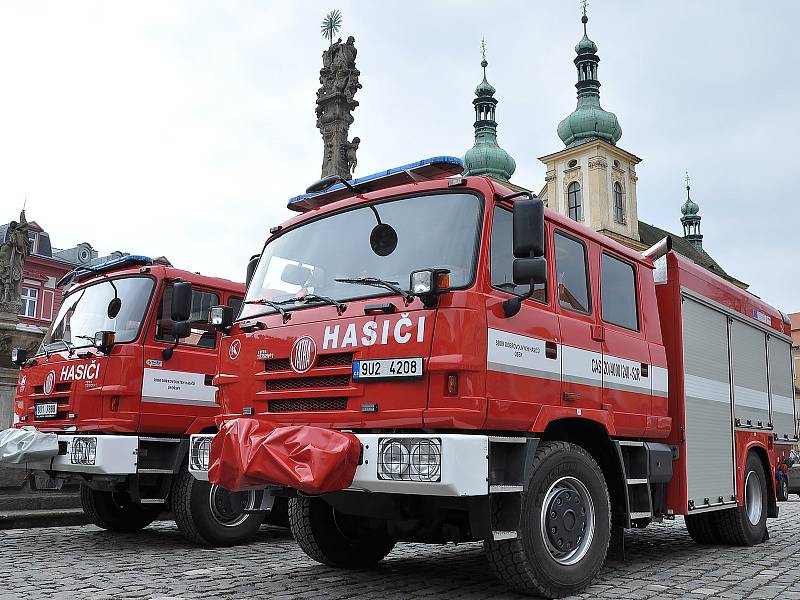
(250, 453)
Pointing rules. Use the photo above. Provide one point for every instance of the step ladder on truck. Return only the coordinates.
(450, 361)
(120, 381)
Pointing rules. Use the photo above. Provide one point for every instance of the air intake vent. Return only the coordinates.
(307, 405)
(300, 383)
(339, 359)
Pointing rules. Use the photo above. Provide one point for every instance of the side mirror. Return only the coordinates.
(528, 228)
(251, 268)
(19, 356)
(530, 265)
(181, 301)
(181, 329)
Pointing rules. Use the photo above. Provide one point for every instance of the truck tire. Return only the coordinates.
(208, 515)
(747, 525)
(564, 529)
(335, 539)
(703, 528)
(115, 511)
(782, 489)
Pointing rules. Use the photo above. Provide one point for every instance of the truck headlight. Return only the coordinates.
(199, 452)
(410, 459)
(83, 451)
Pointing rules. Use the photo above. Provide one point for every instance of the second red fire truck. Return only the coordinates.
(121, 379)
(428, 357)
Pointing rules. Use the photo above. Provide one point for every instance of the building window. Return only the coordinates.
(32, 241)
(574, 201)
(29, 297)
(619, 205)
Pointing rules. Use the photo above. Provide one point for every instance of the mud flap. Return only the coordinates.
(251, 453)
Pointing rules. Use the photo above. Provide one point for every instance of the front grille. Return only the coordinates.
(307, 405)
(338, 359)
(299, 383)
(58, 388)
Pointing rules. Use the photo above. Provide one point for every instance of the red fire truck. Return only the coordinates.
(120, 381)
(434, 358)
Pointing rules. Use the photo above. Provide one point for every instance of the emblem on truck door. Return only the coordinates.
(49, 382)
(304, 354)
(236, 347)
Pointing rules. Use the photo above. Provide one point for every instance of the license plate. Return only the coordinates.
(387, 368)
(46, 410)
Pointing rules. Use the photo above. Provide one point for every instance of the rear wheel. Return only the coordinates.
(115, 511)
(335, 539)
(210, 515)
(564, 528)
(782, 491)
(703, 528)
(746, 525)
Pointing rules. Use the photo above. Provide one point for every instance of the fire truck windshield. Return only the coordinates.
(432, 231)
(84, 312)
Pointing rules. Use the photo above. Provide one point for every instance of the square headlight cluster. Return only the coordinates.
(199, 453)
(83, 451)
(410, 459)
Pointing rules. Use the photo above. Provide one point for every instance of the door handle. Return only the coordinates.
(550, 350)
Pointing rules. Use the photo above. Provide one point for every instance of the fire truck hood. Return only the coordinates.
(251, 452)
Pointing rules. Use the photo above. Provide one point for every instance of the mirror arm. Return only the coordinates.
(167, 353)
(527, 195)
(512, 305)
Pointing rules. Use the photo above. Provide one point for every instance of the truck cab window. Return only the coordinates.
(502, 253)
(203, 335)
(572, 274)
(618, 298)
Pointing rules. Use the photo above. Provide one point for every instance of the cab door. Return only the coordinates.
(626, 353)
(581, 334)
(523, 370)
(177, 390)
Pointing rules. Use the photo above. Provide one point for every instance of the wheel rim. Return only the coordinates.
(227, 508)
(567, 521)
(753, 498)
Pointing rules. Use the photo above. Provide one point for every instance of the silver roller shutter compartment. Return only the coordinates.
(781, 389)
(707, 390)
(750, 392)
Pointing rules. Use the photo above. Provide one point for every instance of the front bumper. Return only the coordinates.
(463, 463)
(74, 453)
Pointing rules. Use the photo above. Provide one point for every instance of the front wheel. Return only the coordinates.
(746, 525)
(564, 528)
(782, 491)
(210, 515)
(335, 539)
(115, 511)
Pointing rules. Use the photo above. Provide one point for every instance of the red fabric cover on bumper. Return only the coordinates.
(250, 453)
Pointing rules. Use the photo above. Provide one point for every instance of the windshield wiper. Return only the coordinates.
(392, 286)
(276, 305)
(340, 307)
(70, 347)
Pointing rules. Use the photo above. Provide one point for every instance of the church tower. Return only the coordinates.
(592, 180)
(691, 220)
(486, 157)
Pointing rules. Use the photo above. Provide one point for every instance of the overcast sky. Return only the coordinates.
(181, 128)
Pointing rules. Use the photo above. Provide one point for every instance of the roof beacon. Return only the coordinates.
(326, 191)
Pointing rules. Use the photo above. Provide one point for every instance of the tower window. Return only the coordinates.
(619, 206)
(574, 201)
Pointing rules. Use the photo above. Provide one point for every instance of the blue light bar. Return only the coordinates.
(122, 262)
(422, 170)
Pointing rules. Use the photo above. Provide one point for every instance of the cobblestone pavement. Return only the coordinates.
(86, 562)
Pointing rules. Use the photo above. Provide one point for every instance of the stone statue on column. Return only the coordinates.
(339, 83)
(12, 259)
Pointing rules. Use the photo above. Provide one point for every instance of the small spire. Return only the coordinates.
(484, 62)
(687, 184)
(584, 18)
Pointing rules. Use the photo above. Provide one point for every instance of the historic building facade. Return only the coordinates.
(591, 179)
